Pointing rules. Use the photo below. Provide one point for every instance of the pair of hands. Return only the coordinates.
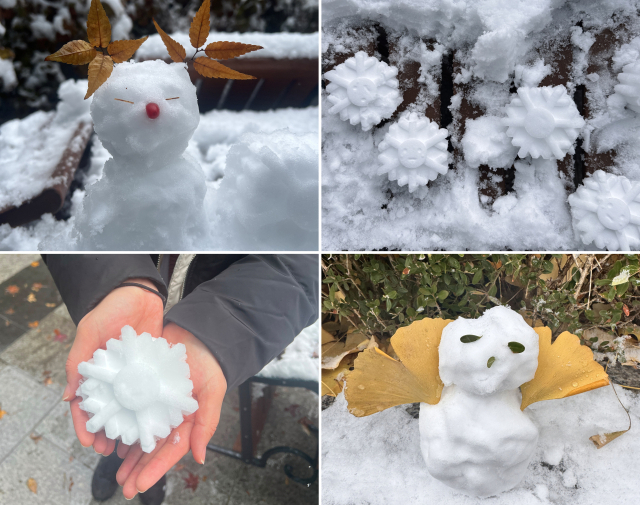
(142, 310)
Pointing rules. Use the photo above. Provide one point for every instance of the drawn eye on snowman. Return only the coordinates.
(132, 103)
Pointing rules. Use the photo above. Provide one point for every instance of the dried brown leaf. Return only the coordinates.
(226, 50)
(601, 440)
(122, 50)
(199, 30)
(211, 68)
(76, 52)
(6, 53)
(99, 71)
(98, 26)
(327, 337)
(177, 53)
(32, 485)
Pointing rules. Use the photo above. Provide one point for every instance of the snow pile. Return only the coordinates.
(300, 358)
(137, 389)
(481, 379)
(377, 459)
(268, 197)
(31, 148)
(276, 45)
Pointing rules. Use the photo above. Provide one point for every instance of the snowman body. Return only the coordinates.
(476, 439)
(151, 193)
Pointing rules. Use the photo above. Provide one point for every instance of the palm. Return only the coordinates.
(140, 471)
(124, 306)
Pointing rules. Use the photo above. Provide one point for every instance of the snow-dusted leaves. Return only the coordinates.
(79, 52)
(206, 65)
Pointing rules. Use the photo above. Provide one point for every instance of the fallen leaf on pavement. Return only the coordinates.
(35, 264)
(34, 324)
(31, 298)
(32, 485)
(36, 286)
(191, 482)
(12, 290)
(35, 438)
(2, 413)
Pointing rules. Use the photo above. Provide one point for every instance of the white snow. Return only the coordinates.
(300, 358)
(363, 90)
(377, 459)
(7, 74)
(276, 45)
(285, 138)
(499, 44)
(32, 147)
(138, 389)
(481, 379)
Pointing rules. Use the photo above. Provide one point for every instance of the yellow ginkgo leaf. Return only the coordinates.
(379, 382)
(332, 379)
(417, 347)
(334, 352)
(565, 368)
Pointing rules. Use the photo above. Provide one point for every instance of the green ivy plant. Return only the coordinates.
(378, 293)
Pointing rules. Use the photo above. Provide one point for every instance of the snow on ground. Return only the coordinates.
(300, 358)
(377, 460)
(499, 44)
(276, 45)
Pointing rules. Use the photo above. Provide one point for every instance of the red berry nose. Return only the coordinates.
(153, 111)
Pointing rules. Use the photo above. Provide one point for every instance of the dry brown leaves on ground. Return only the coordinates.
(80, 52)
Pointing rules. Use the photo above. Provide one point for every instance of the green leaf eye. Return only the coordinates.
(490, 362)
(516, 347)
(465, 339)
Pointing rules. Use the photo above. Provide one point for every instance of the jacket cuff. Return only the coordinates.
(85, 279)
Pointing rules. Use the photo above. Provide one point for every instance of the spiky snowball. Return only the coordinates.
(138, 389)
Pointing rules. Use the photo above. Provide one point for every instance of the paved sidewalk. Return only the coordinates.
(38, 446)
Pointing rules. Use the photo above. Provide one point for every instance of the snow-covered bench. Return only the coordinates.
(40, 154)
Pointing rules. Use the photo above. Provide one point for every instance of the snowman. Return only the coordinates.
(151, 193)
(476, 439)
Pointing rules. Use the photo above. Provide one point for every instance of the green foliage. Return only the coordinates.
(379, 293)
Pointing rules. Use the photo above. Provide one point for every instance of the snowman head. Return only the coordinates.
(146, 110)
(496, 352)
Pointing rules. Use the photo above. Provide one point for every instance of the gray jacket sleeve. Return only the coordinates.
(85, 279)
(251, 311)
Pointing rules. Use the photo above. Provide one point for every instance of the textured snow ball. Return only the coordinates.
(363, 90)
(465, 364)
(126, 130)
(606, 211)
(543, 122)
(485, 142)
(629, 87)
(269, 193)
(136, 389)
(414, 151)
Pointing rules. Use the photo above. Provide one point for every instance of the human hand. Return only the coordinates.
(129, 305)
(139, 470)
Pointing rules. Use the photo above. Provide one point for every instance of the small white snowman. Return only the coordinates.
(476, 439)
(151, 193)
